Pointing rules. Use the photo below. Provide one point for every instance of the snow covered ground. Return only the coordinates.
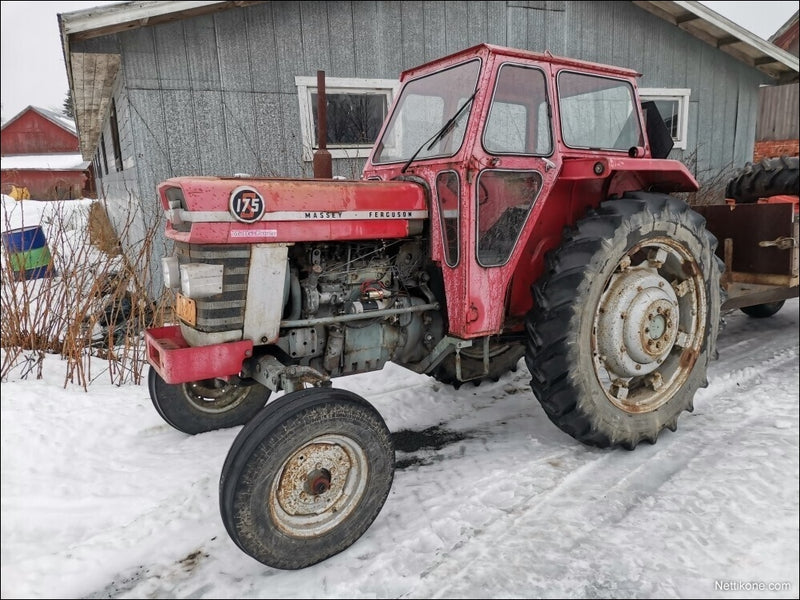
(102, 499)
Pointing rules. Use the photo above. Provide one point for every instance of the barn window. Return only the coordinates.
(356, 109)
(673, 104)
(115, 137)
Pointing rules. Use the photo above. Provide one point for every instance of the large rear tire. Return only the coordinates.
(770, 177)
(306, 478)
(625, 319)
(200, 406)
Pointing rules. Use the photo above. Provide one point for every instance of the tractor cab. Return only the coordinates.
(512, 146)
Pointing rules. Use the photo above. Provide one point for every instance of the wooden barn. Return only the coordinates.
(778, 126)
(40, 154)
(169, 88)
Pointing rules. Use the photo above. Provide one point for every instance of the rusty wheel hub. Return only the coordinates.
(647, 329)
(318, 486)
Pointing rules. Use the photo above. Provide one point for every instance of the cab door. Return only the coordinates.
(513, 167)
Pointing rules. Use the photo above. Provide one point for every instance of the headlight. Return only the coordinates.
(199, 280)
(170, 272)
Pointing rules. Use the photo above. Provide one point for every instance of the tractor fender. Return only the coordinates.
(623, 174)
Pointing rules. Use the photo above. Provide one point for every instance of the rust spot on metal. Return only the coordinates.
(688, 358)
(689, 267)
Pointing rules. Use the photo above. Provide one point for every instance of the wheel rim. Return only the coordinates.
(318, 486)
(648, 328)
(214, 396)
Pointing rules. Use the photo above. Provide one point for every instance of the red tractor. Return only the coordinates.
(515, 205)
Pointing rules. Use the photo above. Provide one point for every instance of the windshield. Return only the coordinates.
(424, 107)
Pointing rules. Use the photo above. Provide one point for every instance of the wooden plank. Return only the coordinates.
(412, 34)
(315, 40)
(477, 23)
(457, 29)
(497, 24)
(233, 51)
(387, 59)
(365, 37)
(182, 141)
(288, 48)
(340, 22)
(139, 58)
(171, 56)
(261, 46)
(272, 149)
(201, 40)
(435, 21)
(241, 132)
(209, 111)
(751, 294)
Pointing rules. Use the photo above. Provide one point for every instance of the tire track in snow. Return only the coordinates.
(600, 494)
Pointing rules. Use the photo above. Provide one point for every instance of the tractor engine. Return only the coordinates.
(293, 282)
(351, 306)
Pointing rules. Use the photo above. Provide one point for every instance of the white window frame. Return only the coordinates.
(682, 96)
(337, 85)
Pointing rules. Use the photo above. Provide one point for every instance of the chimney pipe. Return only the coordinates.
(323, 167)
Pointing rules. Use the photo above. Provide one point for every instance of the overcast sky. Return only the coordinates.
(33, 71)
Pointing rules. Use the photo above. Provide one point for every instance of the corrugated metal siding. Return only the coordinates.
(215, 94)
(778, 113)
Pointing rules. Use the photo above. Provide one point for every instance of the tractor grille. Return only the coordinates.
(224, 311)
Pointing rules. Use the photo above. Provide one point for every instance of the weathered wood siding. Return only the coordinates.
(215, 94)
(778, 113)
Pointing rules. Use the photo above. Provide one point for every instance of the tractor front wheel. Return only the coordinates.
(306, 478)
(625, 319)
(200, 406)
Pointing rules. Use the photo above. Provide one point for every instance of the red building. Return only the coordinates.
(40, 152)
(778, 126)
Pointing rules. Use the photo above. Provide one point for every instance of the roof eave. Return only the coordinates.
(695, 18)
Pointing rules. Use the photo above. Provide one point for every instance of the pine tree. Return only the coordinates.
(68, 108)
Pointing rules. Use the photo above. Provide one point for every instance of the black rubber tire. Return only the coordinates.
(198, 407)
(569, 346)
(256, 487)
(762, 311)
(770, 177)
(504, 358)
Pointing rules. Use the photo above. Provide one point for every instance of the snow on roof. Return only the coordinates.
(44, 162)
(57, 118)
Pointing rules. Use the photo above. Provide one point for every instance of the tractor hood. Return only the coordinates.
(218, 210)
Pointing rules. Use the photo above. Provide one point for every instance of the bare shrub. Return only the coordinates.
(712, 183)
(94, 302)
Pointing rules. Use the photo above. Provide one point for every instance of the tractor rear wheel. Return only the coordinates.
(625, 319)
(200, 406)
(306, 477)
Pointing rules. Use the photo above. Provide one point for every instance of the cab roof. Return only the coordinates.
(486, 50)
